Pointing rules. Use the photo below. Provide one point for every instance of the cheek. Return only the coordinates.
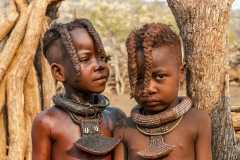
(107, 69)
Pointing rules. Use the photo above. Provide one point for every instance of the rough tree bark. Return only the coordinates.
(204, 28)
(15, 82)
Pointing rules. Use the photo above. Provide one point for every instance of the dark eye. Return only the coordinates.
(84, 60)
(102, 57)
(139, 79)
(160, 77)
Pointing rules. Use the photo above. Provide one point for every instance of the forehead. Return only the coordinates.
(81, 38)
(161, 58)
(163, 54)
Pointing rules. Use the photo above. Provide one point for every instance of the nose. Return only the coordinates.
(151, 88)
(99, 65)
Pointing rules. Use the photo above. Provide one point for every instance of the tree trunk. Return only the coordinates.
(15, 82)
(204, 28)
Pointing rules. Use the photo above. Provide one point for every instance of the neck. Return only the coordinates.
(173, 104)
(78, 96)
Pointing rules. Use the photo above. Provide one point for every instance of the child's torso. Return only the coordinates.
(66, 132)
(183, 137)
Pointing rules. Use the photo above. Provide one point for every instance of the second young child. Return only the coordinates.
(162, 125)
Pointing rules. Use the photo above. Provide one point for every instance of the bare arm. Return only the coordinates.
(204, 137)
(120, 152)
(41, 141)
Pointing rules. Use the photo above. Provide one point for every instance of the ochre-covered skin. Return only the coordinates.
(54, 134)
(154, 51)
(53, 131)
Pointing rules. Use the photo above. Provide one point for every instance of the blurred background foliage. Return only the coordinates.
(114, 19)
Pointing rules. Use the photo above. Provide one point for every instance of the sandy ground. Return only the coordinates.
(126, 104)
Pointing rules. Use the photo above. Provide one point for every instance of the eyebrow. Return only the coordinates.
(84, 52)
(157, 71)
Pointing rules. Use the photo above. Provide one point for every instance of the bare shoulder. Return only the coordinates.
(47, 117)
(124, 124)
(124, 128)
(198, 119)
(115, 113)
(198, 115)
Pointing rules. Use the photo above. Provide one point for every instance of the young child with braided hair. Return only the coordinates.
(162, 125)
(80, 124)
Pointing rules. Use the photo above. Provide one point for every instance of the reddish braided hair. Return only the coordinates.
(131, 49)
(146, 38)
(62, 31)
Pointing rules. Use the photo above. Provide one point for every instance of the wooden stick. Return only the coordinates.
(3, 141)
(2, 93)
(2, 126)
(31, 105)
(10, 21)
(15, 82)
(235, 108)
(22, 5)
(75, 16)
(13, 42)
(3, 10)
(3, 82)
(48, 84)
(236, 120)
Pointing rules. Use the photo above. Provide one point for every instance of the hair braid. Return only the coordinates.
(131, 49)
(146, 38)
(68, 44)
(62, 31)
(92, 31)
(148, 41)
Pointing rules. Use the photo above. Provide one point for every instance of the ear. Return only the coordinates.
(182, 72)
(58, 72)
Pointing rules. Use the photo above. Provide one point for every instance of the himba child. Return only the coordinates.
(80, 124)
(162, 125)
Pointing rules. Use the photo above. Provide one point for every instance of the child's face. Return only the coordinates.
(164, 82)
(94, 69)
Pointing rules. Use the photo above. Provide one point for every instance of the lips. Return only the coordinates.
(151, 101)
(102, 77)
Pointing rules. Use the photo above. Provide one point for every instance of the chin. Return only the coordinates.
(155, 108)
(99, 91)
